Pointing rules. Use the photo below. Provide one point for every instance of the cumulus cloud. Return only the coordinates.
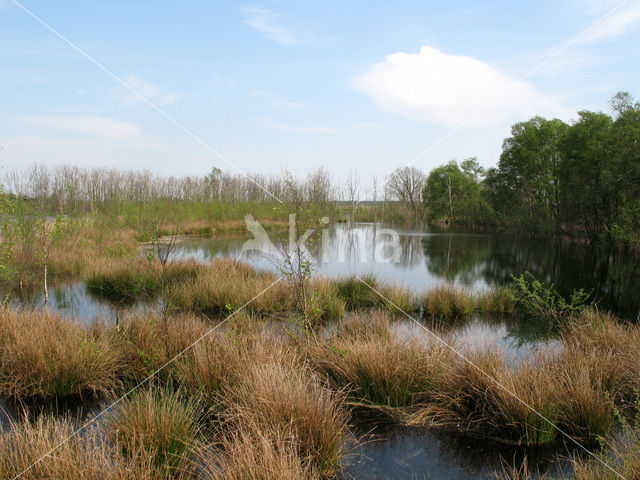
(265, 22)
(436, 87)
(148, 90)
(93, 126)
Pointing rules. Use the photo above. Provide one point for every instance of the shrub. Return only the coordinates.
(537, 300)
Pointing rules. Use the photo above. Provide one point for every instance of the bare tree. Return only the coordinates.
(375, 198)
(353, 190)
(406, 185)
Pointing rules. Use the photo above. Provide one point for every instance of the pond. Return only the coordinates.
(428, 256)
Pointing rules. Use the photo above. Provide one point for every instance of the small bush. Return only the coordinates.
(537, 300)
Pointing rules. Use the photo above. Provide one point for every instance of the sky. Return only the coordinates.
(181, 87)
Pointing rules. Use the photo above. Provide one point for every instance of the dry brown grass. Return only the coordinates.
(275, 400)
(45, 355)
(226, 286)
(256, 455)
(157, 424)
(492, 399)
(147, 345)
(448, 300)
(27, 447)
(221, 361)
(378, 370)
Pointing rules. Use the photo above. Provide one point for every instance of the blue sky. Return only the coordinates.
(271, 85)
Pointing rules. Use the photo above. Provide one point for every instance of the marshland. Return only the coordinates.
(180, 342)
(319, 240)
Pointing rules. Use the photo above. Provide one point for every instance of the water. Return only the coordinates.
(430, 256)
(413, 453)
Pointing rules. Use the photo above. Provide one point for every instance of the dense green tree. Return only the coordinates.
(529, 171)
(454, 192)
(581, 179)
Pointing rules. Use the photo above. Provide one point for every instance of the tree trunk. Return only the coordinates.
(46, 289)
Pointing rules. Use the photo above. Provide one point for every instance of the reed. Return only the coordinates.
(44, 355)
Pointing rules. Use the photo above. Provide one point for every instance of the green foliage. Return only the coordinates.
(455, 193)
(537, 300)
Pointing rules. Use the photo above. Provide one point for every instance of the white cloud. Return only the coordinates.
(94, 126)
(621, 21)
(268, 23)
(450, 89)
(151, 92)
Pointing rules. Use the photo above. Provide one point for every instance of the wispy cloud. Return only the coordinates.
(436, 87)
(154, 93)
(93, 126)
(270, 25)
(624, 20)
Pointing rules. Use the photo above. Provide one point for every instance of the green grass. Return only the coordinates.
(158, 424)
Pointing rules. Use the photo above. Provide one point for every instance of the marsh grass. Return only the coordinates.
(45, 448)
(147, 344)
(225, 286)
(256, 455)
(220, 361)
(158, 424)
(493, 400)
(44, 355)
(378, 370)
(448, 301)
(275, 399)
(123, 281)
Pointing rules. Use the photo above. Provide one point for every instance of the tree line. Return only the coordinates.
(580, 179)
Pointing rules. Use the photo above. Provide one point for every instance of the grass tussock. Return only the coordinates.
(46, 449)
(220, 361)
(148, 343)
(256, 455)
(44, 355)
(158, 424)
(276, 400)
(491, 399)
(380, 371)
(448, 301)
(226, 285)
